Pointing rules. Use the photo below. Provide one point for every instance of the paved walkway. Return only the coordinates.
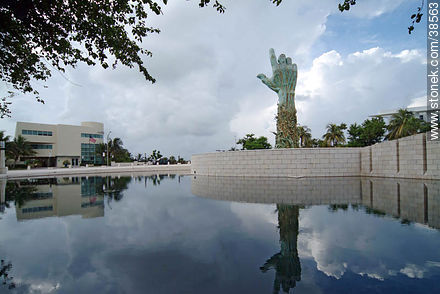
(42, 172)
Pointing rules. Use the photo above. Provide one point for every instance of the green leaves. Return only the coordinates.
(416, 18)
(403, 124)
(370, 132)
(217, 5)
(335, 134)
(346, 5)
(277, 2)
(249, 142)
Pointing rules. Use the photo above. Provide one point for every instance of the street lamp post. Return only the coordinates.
(108, 140)
(2, 157)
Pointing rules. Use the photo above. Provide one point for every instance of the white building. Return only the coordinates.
(54, 144)
(420, 112)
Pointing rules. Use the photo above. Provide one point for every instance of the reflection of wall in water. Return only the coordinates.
(69, 196)
(412, 200)
(304, 191)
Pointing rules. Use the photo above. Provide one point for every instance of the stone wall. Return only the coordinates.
(279, 162)
(409, 157)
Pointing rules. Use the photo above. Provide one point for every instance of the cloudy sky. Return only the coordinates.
(351, 65)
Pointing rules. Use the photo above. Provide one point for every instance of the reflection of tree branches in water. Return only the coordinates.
(368, 210)
(4, 275)
(114, 188)
(19, 192)
(286, 263)
(156, 179)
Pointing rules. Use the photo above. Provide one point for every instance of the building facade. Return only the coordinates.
(55, 144)
(420, 112)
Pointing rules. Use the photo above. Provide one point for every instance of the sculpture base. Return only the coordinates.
(287, 133)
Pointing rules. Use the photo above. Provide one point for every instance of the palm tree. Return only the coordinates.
(305, 136)
(19, 147)
(402, 124)
(115, 145)
(335, 134)
(3, 137)
(6, 140)
(155, 156)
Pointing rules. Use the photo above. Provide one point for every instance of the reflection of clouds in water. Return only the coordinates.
(416, 271)
(157, 234)
(86, 255)
(44, 288)
(373, 276)
(34, 287)
(366, 245)
(413, 271)
(254, 216)
(310, 246)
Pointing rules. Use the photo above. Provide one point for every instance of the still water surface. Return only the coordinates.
(172, 234)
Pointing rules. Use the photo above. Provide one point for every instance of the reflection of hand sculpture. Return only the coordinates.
(283, 82)
(5, 268)
(286, 263)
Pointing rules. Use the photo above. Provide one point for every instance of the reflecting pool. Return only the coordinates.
(183, 234)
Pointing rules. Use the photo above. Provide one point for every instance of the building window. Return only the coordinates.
(36, 133)
(37, 209)
(42, 195)
(41, 146)
(87, 135)
(91, 204)
(88, 153)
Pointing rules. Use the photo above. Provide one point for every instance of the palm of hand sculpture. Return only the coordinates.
(283, 81)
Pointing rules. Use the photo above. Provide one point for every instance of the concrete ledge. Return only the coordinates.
(176, 168)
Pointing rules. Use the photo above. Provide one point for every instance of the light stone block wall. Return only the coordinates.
(365, 159)
(384, 159)
(411, 156)
(408, 157)
(433, 159)
(279, 162)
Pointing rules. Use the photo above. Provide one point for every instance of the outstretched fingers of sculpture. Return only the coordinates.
(262, 77)
(273, 60)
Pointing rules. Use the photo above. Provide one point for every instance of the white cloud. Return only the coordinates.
(418, 101)
(348, 89)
